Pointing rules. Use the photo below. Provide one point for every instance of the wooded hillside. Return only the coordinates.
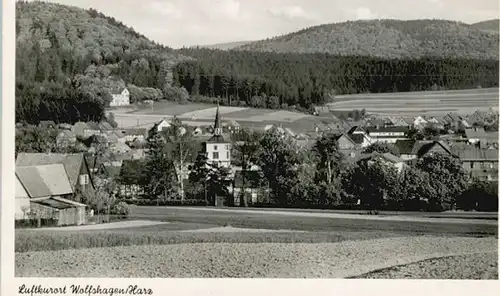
(387, 39)
(64, 47)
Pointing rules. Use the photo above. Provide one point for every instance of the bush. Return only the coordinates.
(480, 196)
(121, 209)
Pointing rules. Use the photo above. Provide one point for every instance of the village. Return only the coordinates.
(49, 184)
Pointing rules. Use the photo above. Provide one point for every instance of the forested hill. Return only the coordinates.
(272, 80)
(490, 25)
(65, 48)
(387, 39)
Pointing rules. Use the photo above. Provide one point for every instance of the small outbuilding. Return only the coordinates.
(48, 190)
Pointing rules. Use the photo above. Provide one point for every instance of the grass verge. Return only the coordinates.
(27, 241)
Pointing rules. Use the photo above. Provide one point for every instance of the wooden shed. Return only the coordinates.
(49, 191)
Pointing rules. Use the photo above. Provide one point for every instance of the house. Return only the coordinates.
(251, 186)
(75, 164)
(218, 149)
(49, 195)
(475, 135)
(454, 121)
(423, 148)
(65, 138)
(120, 98)
(79, 129)
(387, 134)
(405, 148)
(92, 129)
(131, 134)
(233, 126)
(163, 124)
(119, 148)
(359, 136)
(419, 123)
(345, 143)
(481, 164)
(436, 123)
(387, 158)
(404, 122)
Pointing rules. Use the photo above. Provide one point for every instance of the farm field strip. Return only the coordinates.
(311, 260)
(471, 92)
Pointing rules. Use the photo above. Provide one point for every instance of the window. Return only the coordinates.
(215, 155)
(215, 147)
(471, 165)
(84, 179)
(227, 147)
(227, 155)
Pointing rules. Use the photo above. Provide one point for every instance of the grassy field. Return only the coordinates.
(314, 224)
(423, 103)
(430, 103)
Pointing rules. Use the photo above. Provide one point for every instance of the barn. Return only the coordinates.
(49, 192)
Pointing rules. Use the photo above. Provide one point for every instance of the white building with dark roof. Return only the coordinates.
(121, 98)
(217, 148)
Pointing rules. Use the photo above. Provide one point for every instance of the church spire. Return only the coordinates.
(217, 125)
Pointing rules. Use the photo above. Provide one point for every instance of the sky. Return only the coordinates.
(178, 23)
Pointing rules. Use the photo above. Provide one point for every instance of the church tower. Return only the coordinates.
(217, 148)
(217, 125)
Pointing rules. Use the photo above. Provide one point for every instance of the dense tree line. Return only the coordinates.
(280, 80)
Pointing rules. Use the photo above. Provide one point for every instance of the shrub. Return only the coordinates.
(480, 196)
(121, 209)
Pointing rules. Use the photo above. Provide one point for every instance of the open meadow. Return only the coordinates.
(207, 242)
(431, 103)
(420, 103)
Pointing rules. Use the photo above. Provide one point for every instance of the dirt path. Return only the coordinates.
(258, 260)
(112, 225)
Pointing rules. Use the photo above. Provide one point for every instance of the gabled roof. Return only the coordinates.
(376, 155)
(72, 162)
(59, 203)
(472, 153)
(475, 133)
(405, 146)
(356, 128)
(44, 180)
(357, 138)
(347, 137)
(105, 126)
(422, 147)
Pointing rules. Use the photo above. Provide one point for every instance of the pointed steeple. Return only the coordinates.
(217, 125)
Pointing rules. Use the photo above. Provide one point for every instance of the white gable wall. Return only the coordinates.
(22, 201)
